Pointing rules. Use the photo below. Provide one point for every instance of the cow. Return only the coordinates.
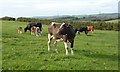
(90, 28)
(32, 29)
(84, 29)
(81, 29)
(38, 32)
(20, 30)
(28, 27)
(35, 31)
(61, 31)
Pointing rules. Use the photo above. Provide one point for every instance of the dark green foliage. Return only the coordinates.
(7, 18)
(24, 19)
(98, 24)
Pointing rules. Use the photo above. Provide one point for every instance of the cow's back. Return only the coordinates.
(30, 25)
(53, 28)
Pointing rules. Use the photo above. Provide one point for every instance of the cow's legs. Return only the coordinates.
(86, 32)
(66, 47)
(55, 45)
(40, 33)
(36, 32)
(49, 41)
(92, 30)
(72, 43)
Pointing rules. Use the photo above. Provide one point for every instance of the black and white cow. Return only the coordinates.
(61, 31)
(28, 27)
(81, 29)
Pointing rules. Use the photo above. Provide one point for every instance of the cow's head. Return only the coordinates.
(76, 29)
(25, 29)
(39, 25)
(64, 29)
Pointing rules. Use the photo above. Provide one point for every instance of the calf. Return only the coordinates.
(35, 31)
(81, 29)
(20, 30)
(61, 31)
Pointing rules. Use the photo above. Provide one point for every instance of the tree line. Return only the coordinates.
(8, 18)
(100, 25)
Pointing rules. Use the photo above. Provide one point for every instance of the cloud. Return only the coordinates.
(54, 7)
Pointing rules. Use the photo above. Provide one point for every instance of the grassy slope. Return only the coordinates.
(98, 51)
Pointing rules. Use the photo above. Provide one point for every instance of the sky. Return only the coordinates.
(30, 8)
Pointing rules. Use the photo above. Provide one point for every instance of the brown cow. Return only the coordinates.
(35, 31)
(20, 30)
(61, 31)
(90, 28)
(38, 32)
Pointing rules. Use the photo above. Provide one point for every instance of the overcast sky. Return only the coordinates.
(29, 8)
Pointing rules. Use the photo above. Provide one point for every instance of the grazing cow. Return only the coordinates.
(81, 29)
(61, 31)
(90, 28)
(20, 30)
(84, 29)
(35, 31)
(38, 32)
(28, 27)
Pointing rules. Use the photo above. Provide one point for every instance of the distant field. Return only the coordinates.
(98, 51)
(113, 21)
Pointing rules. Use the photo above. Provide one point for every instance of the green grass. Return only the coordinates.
(0, 45)
(98, 51)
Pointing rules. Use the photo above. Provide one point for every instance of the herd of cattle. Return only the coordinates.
(35, 29)
(57, 32)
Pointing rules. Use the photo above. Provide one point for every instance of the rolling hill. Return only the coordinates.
(102, 15)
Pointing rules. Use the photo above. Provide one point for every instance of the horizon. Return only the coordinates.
(31, 8)
(57, 15)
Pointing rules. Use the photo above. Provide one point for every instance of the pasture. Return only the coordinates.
(97, 51)
(113, 21)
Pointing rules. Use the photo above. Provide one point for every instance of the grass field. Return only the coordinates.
(98, 51)
(0, 45)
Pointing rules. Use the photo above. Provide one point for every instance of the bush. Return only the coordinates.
(8, 18)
